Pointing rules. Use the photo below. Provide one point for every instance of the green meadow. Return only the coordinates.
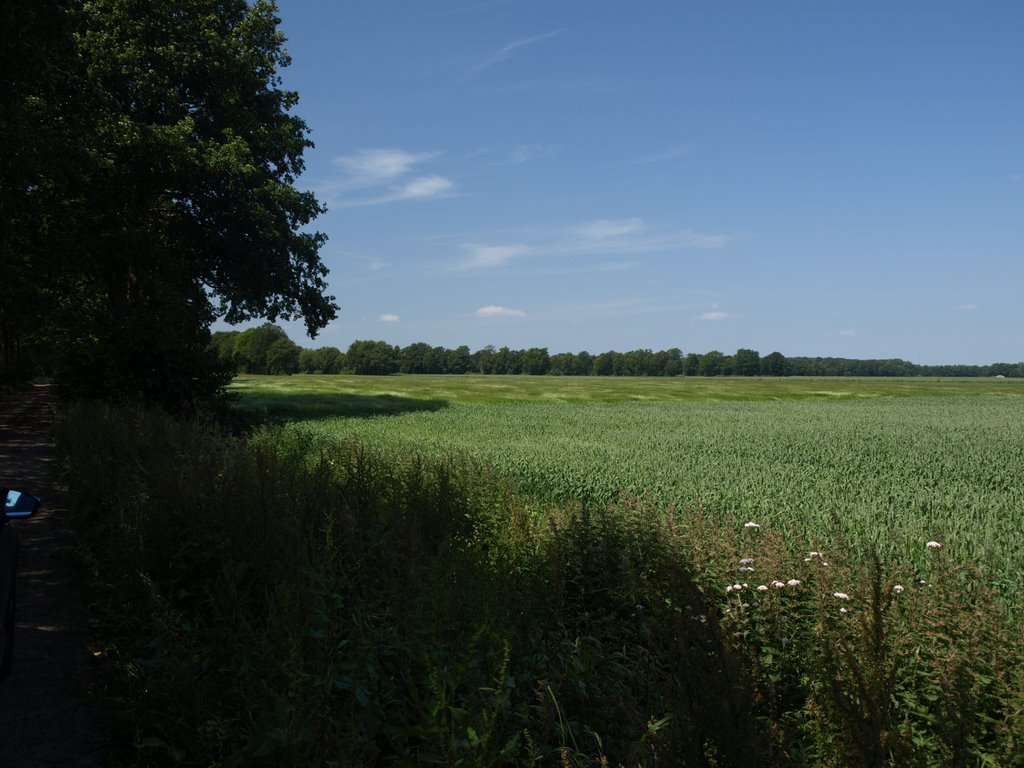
(542, 571)
(311, 395)
(893, 462)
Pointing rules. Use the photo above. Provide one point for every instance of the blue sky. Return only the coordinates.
(818, 178)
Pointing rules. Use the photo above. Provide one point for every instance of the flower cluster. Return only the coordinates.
(818, 557)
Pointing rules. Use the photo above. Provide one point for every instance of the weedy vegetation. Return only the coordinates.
(584, 578)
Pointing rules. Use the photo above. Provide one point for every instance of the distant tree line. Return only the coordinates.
(267, 349)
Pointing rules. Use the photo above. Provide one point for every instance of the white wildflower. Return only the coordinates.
(762, 587)
(751, 525)
(841, 595)
(778, 583)
(793, 583)
(843, 610)
(898, 588)
(747, 561)
(933, 545)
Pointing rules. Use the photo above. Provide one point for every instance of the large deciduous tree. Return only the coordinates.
(373, 357)
(746, 362)
(184, 205)
(40, 165)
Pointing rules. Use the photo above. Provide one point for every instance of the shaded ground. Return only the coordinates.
(46, 715)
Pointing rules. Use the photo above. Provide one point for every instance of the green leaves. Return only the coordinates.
(179, 204)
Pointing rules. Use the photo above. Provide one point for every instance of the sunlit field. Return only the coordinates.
(891, 462)
(577, 572)
(292, 393)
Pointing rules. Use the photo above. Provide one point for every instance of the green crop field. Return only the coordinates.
(355, 395)
(460, 570)
(894, 462)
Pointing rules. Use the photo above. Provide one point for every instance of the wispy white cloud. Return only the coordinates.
(847, 332)
(506, 51)
(425, 186)
(389, 318)
(494, 157)
(603, 229)
(628, 236)
(482, 256)
(381, 170)
(714, 315)
(526, 152)
(368, 167)
(493, 311)
(633, 235)
(665, 156)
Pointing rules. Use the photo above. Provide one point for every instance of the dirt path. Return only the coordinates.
(46, 715)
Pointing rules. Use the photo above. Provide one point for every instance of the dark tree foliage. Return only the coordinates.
(746, 362)
(376, 358)
(379, 357)
(265, 349)
(773, 364)
(712, 363)
(40, 164)
(322, 360)
(536, 361)
(181, 205)
(691, 366)
(459, 360)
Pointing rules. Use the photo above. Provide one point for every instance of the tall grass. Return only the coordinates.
(281, 600)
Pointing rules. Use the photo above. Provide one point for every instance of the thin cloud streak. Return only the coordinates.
(483, 256)
(602, 229)
(494, 311)
(425, 188)
(621, 237)
(526, 152)
(505, 53)
(367, 169)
